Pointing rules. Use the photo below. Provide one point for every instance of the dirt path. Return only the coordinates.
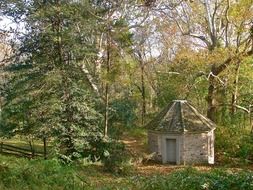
(135, 146)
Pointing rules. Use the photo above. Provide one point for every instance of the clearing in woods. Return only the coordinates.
(136, 144)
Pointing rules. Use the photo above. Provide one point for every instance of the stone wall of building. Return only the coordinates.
(211, 147)
(181, 150)
(196, 148)
(191, 148)
(154, 145)
(152, 142)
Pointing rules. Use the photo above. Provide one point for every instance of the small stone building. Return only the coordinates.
(181, 135)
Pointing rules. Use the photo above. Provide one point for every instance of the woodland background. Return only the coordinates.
(83, 77)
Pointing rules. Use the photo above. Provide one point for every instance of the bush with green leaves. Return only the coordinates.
(19, 173)
(24, 174)
(191, 179)
(112, 154)
(122, 116)
(123, 112)
(37, 174)
(234, 146)
(116, 158)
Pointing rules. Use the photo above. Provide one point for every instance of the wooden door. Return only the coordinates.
(171, 150)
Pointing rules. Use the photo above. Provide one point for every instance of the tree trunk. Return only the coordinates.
(250, 119)
(211, 101)
(235, 92)
(45, 147)
(107, 88)
(143, 93)
(211, 109)
(106, 109)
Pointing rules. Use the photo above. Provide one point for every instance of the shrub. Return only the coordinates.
(116, 158)
(19, 173)
(191, 179)
(123, 111)
(233, 145)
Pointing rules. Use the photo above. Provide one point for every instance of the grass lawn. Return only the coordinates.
(20, 143)
(38, 146)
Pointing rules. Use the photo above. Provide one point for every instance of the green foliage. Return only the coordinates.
(168, 93)
(234, 146)
(48, 94)
(115, 158)
(20, 174)
(182, 79)
(123, 112)
(195, 180)
(38, 174)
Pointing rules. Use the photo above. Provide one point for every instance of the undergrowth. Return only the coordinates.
(191, 179)
(19, 173)
(234, 147)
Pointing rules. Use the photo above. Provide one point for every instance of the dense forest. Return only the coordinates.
(81, 79)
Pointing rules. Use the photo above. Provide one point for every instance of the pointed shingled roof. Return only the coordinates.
(181, 117)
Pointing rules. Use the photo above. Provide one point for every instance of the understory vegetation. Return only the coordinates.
(186, 179)
(22, 174)
(234, 147)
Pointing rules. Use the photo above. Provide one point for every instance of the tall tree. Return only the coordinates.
(214, 26)
(49, 92)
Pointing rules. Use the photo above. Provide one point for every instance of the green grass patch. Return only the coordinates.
(137, 132)
(21, 174)
(18, 142)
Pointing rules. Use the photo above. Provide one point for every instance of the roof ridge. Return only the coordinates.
(160, 115)
(201, 117)
(182, 115)
(174, 114)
